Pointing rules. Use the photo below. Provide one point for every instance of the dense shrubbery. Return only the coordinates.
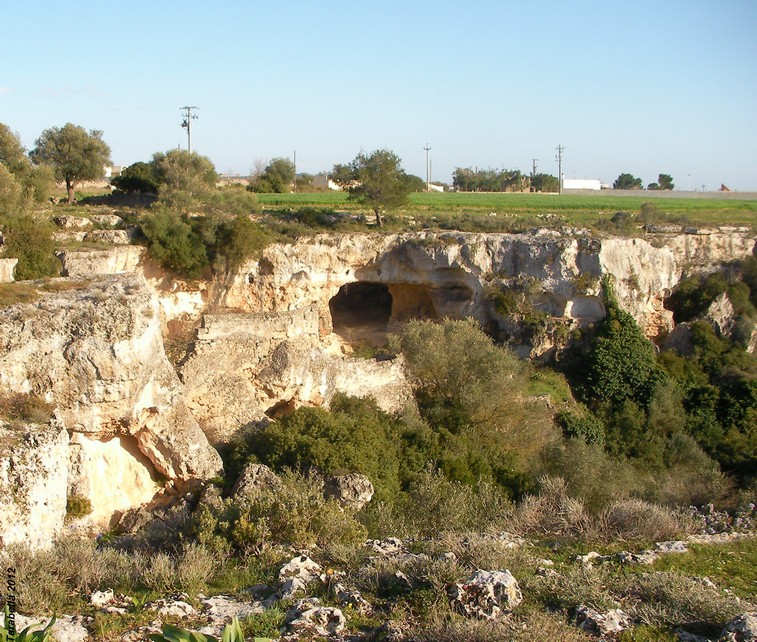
(190, 245)
(30, 240)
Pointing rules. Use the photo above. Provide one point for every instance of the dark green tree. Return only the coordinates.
(277, 177)
(627, 181)
(545, 183)
(665, 181)
(74, 155)
(622, 362)
(376, 179)
(139, 177)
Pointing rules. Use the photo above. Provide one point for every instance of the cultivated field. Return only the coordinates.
(473, 210)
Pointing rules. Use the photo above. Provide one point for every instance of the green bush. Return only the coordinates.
(174, 243)
(30, 240)
(78, 506)
(354, 436)
(294, 514)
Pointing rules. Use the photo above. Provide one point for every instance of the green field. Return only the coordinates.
(474, 210)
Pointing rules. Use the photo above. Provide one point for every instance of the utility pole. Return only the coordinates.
(560, 149)
(428, 169)
(187, 122)
(294, 162)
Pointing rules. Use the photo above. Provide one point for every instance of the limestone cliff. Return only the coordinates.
(33, 473)
(246, 367)
(434, 275)
(94, 352)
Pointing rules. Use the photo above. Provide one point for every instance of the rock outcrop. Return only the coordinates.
(33, 474)
(119, 259)
(246, 367)
(7, 269)
(96, 355)
(433, 275)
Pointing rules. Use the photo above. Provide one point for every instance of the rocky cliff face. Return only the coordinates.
(33, 474)
(433, 275)
(246, 367)
(96, 355)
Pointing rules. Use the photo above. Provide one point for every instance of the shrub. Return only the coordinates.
(634, 519)
(173, 243)
(78, 506)
(30, 240)
(295, 514)
(585, 427)
(355, 436)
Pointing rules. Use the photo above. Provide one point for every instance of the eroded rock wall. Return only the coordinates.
(96, 355)
(446, 274)
(245, 367)
(33, 483)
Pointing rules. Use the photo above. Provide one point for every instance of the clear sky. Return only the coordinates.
(640, 87)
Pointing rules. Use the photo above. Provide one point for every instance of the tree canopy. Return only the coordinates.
(664, 182)
(627, 181)
(376, 179)
(486, 180)
(277, 177)
(74, 154)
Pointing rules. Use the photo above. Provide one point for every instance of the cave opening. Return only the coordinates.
(360, 312)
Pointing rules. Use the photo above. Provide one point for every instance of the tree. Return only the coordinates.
(545, 183)
(73, 154)
(140, 177)
(34, 182)
(277, 177)
(665, 181)
(627, 181)
(375, 179)
(184, 178)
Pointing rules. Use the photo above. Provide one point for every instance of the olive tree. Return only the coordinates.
(376, 180)
(74, 154)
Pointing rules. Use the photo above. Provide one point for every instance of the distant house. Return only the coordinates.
(324, 182)
(582, 183)
(111, 171)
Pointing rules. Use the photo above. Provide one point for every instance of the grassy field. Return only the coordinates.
(450, 208)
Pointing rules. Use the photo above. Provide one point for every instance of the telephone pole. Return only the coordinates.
(560, 149)
(187, 123)
(428, 169)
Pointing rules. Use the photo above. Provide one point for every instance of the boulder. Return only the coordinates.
(296, 575)
(613, 622)
(486, 595)
(254, 478)
(720, 315)
(221, 609)
(742, 628)
(174, 606)
(106, 220)
(308, 616)
(352, 491)
(67, 222)
(7, 268)
(112, 237)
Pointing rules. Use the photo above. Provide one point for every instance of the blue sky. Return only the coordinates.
(642, 87)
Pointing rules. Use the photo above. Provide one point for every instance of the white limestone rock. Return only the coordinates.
(33, 483)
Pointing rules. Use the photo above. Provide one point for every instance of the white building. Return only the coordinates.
(582, 183)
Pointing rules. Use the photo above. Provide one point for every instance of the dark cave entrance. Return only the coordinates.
(360, 312)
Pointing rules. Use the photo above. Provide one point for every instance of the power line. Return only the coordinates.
(187, 123)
